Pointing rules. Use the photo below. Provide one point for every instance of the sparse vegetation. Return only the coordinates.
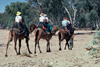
(94, 49)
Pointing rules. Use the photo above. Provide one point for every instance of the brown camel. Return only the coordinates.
(62, 34)
(41, 34)
(13, 34)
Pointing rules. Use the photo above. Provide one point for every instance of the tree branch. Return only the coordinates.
(68, 14)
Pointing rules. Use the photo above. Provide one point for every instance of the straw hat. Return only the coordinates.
(18, 13)
(42, 14)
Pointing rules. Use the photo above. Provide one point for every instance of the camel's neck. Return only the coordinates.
(30, 31)
(54, 31)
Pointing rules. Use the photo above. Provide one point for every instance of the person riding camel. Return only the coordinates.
(18, 19)
(66, 23)
(47, 22)
(43, 21)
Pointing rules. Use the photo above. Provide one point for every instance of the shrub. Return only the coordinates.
(95, 44)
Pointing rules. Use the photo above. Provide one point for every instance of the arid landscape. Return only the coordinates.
(77, 57)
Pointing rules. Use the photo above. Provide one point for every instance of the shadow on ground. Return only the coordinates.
(90, 33)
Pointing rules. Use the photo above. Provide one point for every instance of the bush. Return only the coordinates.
(95, 44)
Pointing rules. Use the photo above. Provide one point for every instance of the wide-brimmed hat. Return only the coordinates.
(18, 13)
(42, 14)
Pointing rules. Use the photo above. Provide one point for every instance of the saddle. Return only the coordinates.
(65, 29)
(18, 29)
(42, 27)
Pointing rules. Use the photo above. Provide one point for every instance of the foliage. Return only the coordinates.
(95, 44)
(49, 66)
(87, 15)
(26, 10)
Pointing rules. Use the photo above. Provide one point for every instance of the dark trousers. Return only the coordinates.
(25, 28)
(46, 25)
(69, 27)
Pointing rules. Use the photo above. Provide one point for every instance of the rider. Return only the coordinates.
(47, 22)
(18, 19)
(42, 20)
(66, 23)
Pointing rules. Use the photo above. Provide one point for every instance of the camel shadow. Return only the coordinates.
(89, 33)
(2, 44)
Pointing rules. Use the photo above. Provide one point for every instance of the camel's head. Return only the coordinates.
(33, 26)
(55, 29)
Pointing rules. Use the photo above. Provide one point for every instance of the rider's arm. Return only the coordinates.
(47, 19)
(20, 19)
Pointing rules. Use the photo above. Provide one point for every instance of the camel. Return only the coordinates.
(62, 34)
(41, 34)
(13, 34)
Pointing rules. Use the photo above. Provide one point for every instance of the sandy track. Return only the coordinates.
(78, 57)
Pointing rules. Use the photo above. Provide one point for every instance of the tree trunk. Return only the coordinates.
(75, 10)
(69, 15)
(72, 21)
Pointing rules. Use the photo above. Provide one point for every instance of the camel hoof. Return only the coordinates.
(18, 53)
(48, 50)
(30, 52)
(34, 52)
(40, 52)
(60, 49)
(6, 55)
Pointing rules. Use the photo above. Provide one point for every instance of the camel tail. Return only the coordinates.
(59, 34)
(37, 32)
(11, 35)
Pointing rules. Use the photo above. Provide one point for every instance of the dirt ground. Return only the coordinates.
(77, 57)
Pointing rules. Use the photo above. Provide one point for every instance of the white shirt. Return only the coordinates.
(64, 23)
(46, 18)
(18, 18)
(41, 19)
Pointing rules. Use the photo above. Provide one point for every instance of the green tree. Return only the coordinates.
(84, 13)
(28, 13)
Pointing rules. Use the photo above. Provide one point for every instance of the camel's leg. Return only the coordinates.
(9, 38)
(39, 47)
(35, 47)
(48, 46)
(28, 45)
(38, 34)
(19, 46)
(60, 45)
(15, 43)
(60, 39)
(66, 44)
